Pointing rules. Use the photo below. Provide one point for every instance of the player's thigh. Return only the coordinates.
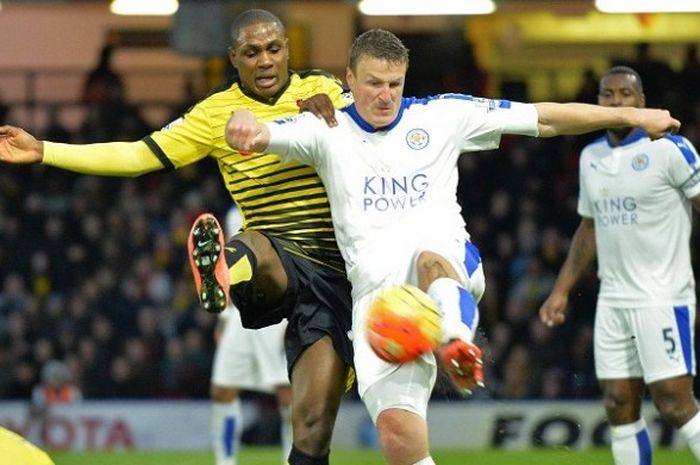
(665, 340)
(407, 386)
(614, 345)
(269, 354)
(234, 360)
(384, 385)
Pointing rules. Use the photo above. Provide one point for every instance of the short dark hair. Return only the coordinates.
(378, 43)
(621, 69)
(253, 16)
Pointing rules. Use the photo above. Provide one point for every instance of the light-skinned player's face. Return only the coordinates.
(620, 90)
(377, 88)
(260, 55)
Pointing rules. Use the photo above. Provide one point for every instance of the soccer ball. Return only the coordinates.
(403, 323)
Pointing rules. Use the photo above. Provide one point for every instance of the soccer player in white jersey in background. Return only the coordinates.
(635, 202)
(390, 170)
(251, 360)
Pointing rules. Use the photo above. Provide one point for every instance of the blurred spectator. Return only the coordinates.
(57, 386)
(588, 89)
(102, 79)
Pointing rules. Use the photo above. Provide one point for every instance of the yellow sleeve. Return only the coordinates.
(184, 141)
(106, 159)
(15, 450)
(189, 138)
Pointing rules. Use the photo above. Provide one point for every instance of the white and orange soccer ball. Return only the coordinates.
(403, 322)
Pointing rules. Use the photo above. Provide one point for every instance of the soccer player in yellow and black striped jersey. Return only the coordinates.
(285, 263)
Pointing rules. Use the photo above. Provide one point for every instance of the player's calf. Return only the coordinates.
(205, 246)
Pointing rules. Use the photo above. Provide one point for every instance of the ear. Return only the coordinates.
(232, 56)
(349, 77)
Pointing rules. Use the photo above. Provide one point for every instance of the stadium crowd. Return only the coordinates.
(93, 270)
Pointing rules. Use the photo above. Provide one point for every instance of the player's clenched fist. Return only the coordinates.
(18, 146)
(245, 134)
(657, 123)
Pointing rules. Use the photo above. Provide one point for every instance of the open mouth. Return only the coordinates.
(266, 81)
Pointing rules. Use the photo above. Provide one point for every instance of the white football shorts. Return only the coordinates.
(250, 359)
(407, 386)
(653, 343)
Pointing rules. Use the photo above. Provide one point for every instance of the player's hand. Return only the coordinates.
(244, 133)
(321, 106)
(18, 146)
(553, 310)
(657, 123)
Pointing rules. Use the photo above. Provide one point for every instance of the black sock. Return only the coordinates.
(297, 457)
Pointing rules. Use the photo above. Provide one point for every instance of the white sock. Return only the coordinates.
(286, 432)
(226, 431)
(631, 444)
(691, 432)
(460, 313)
(426, 461)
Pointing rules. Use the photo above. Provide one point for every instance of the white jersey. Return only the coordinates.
(392, 188)
(638, 196)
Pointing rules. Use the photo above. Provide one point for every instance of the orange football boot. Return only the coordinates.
(205, 247)
(463, 363)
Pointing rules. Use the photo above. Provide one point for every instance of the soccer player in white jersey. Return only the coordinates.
(390, 170)
(251, 360)
(635, 202)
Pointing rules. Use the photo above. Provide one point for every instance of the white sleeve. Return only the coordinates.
(519, 118)
(684, 166)
(486, 120)
(297, 138)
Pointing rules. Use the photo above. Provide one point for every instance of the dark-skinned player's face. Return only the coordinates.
(260, 55)
(620, 90)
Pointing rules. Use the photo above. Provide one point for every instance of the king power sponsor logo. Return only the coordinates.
(616, 211)
(388, 193)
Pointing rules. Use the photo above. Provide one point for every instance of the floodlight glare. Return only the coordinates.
(648, 6)
(143, 7)
(425, 7)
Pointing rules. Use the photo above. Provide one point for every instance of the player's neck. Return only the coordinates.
(618, 135)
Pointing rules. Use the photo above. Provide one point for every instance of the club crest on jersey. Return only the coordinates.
(417, 139)
(640, 162)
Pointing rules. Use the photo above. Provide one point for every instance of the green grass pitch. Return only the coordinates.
(270, 456)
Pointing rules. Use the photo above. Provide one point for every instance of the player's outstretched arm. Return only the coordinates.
(245, 134)
(581, 253)
(18, 146)
(105, 159)
(557, 119)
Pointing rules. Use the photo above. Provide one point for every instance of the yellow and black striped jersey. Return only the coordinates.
(286, 201)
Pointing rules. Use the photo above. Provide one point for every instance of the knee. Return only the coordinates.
(259, 246)
(431, 266)
(392, 437)
(621, 409)
(675, 408)
(402, 436)
(223, 394)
